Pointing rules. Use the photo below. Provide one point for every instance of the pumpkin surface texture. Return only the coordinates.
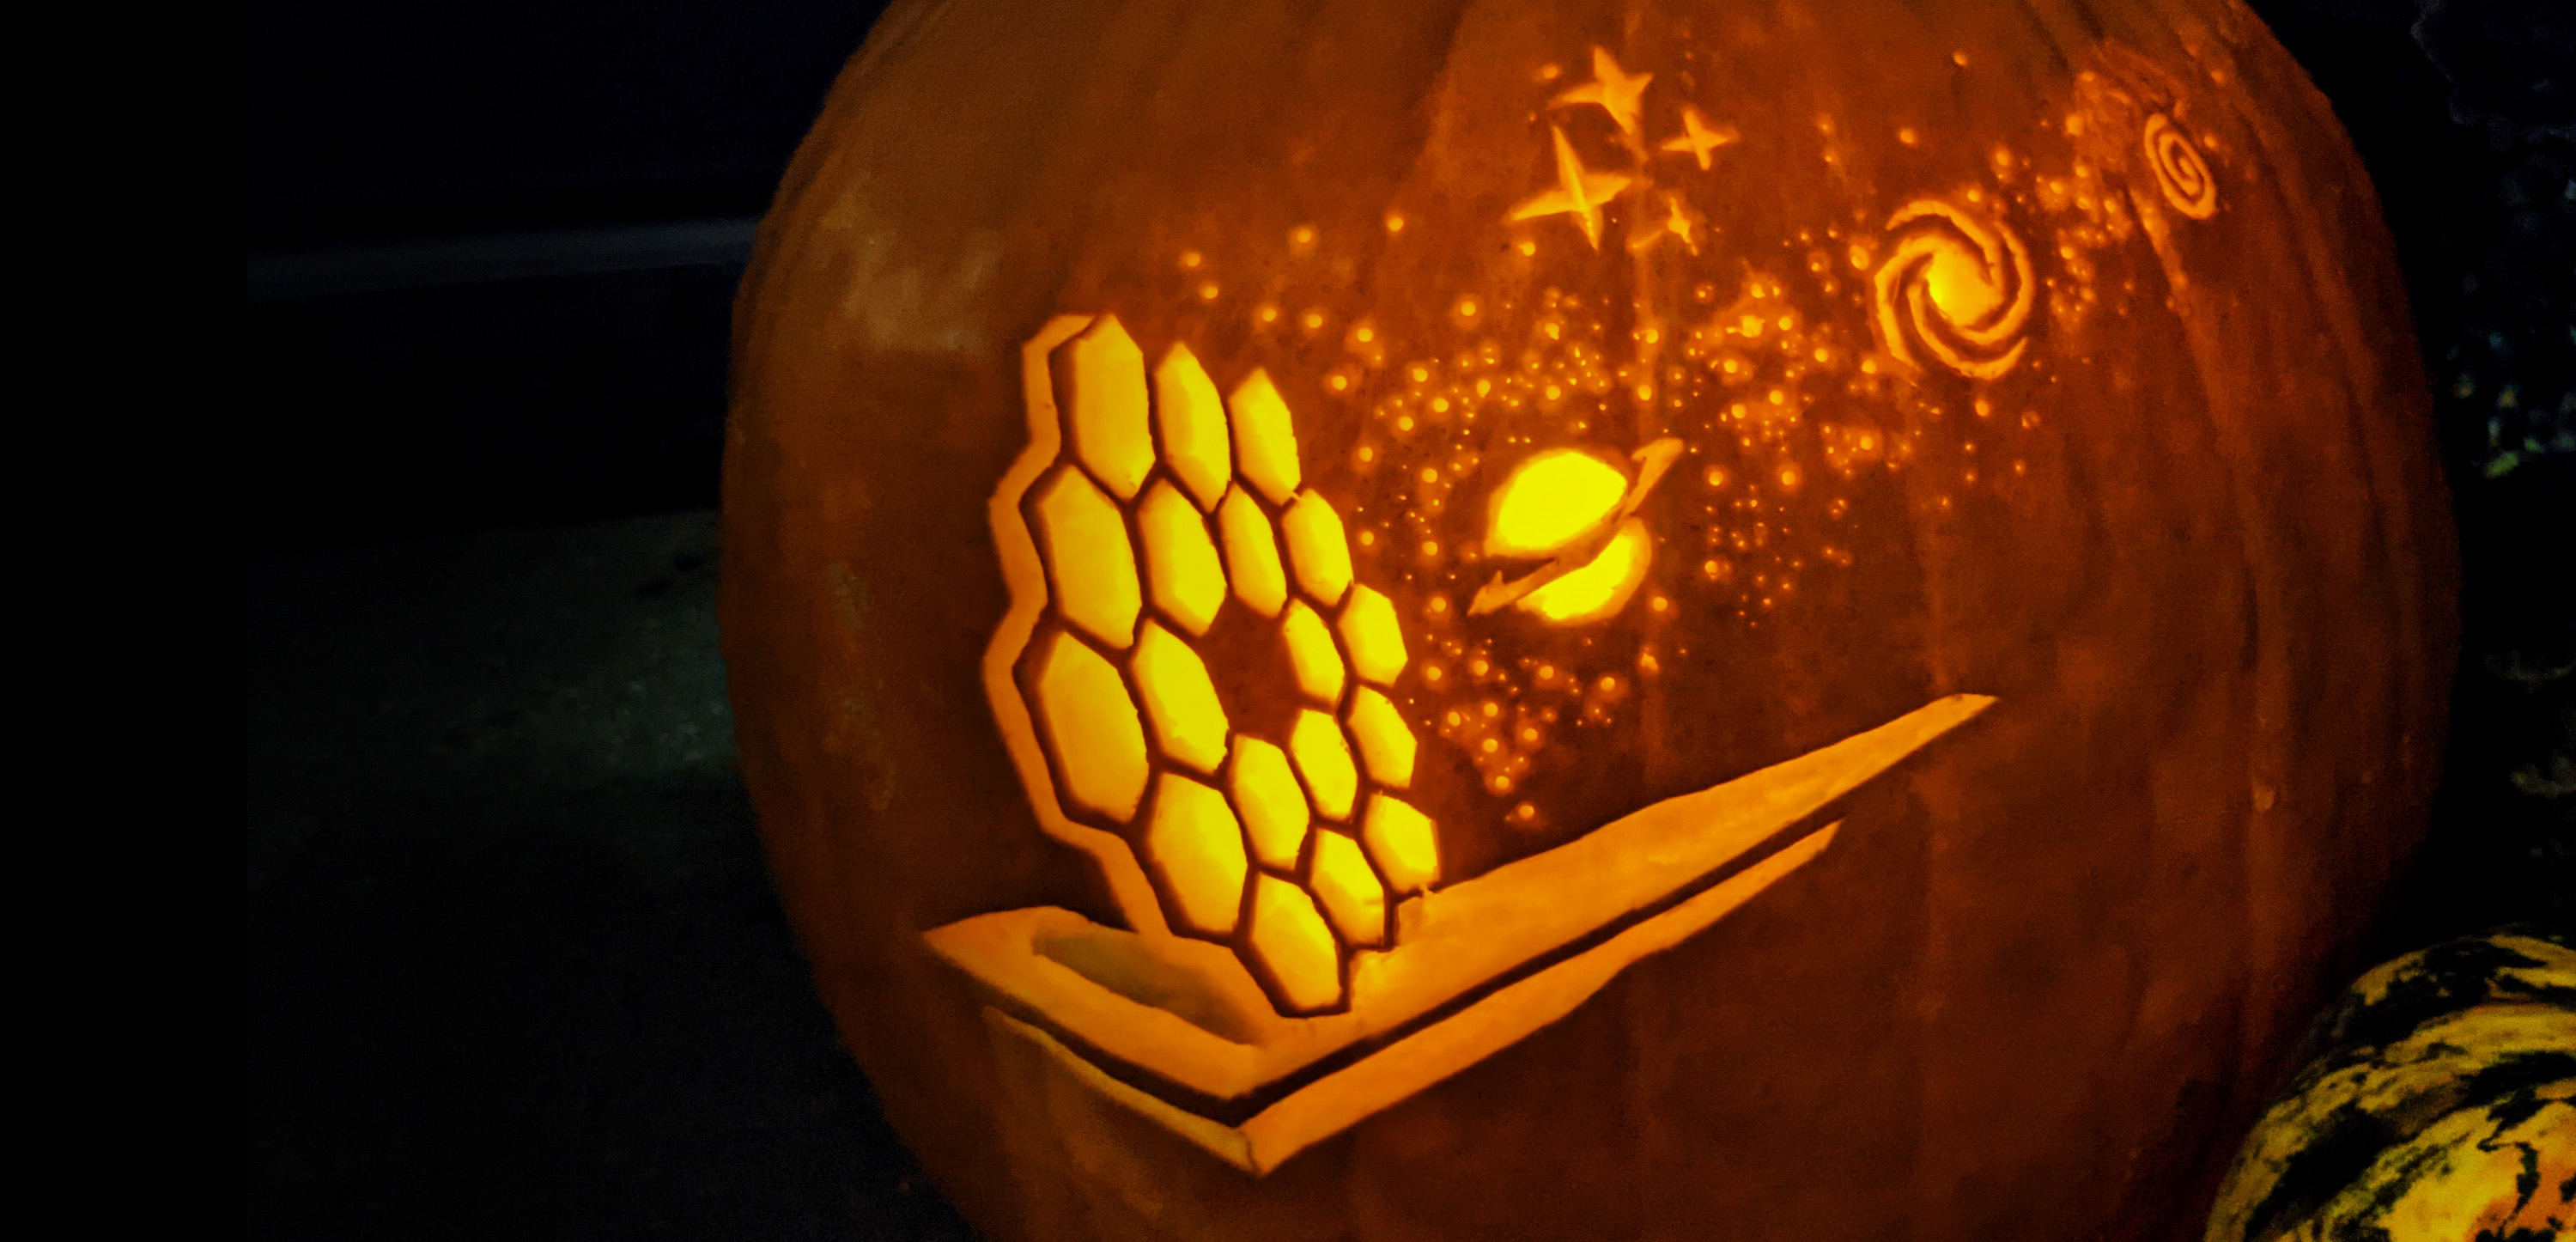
(1395, 620)
(2439, 1105)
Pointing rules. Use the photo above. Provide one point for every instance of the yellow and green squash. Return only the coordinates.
(2437, 1104)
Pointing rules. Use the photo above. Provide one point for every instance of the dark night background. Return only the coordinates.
(514, 966)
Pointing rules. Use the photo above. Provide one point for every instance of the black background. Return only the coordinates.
(513, 964)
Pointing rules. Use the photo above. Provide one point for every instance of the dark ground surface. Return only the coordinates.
(515, 970)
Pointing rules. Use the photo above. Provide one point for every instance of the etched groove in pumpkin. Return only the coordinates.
(1955, 286)
(2181, 174)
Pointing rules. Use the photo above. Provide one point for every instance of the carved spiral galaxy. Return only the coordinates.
(1955, 287)
(2180, 171)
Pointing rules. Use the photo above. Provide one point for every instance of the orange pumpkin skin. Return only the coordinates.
(2178, 514)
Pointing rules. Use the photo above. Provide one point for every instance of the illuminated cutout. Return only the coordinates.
(1324, 759)
(1401, 840)
(1273, 807)
(1698, 137)
(1318, 548)
(1550, 501)
(1956, 287)
(1603, 586)
(1291, 944)
(1386, 745)
(1562, 504)
(1372, 637)
(2181, 174)
(1265, 444)
(1579, 192)
(1251, 553)
(1618, 92)
(1106, 373)
(1085, 544)
(1091, 726)
(1349, 892)
(1192, 422)
(1311, 654)
(1196, 851)
(1181, 569)
(1180, 701)
(1298, 1007)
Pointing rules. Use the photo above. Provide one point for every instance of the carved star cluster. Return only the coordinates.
(1580, 192)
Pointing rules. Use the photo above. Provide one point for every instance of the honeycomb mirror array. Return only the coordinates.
(1290, 850)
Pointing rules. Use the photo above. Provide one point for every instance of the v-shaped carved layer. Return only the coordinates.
(1181, 1021)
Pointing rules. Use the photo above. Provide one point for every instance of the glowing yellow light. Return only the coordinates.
(1600, 588)
(1107, 406)
(1316, 747)
(1369, 632)
(1181, 568)
(1551, 500)
(1265, 440)
(1293, 946)
(1318, 549)
(1092, 727)
(1180, 701)
(1084, 541)
(1349, 892)
(1311, 653)
(1274, 808)
(1386, 744)
(1251, 553)
(1400, 839)
(1193, 840)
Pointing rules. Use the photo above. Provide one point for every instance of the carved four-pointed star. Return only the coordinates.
(1617, 92)
(1698, 137)
(1579, 192)
(1677, 222)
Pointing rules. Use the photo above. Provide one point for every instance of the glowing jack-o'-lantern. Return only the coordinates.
(1513, 620)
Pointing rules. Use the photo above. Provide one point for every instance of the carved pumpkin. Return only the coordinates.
(1552, 620)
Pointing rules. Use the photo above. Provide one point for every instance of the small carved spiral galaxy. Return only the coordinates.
(1955, 287)
(2180, 171)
